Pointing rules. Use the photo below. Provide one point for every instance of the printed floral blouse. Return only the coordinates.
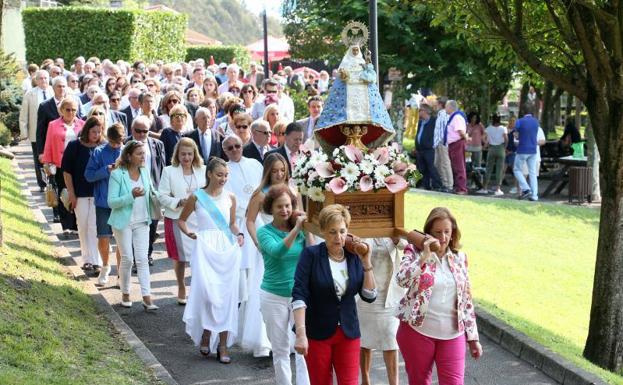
(418, 277)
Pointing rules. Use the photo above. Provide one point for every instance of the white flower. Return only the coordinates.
(316, 194)
(367, 167)
(381, 172)
(350, 172)
(303, 189)
(316, 157)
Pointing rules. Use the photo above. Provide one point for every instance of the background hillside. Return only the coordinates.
(225, 20)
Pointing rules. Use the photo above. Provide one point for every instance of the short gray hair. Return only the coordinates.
(41, 73)
(452, 104)
(141, 120)
(229, 138)
(260, 123)
(59, 79)
(203, 110)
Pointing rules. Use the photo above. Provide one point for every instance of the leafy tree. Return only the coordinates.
(407, 41)
(577, 45)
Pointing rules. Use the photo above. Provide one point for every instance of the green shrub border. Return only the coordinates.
(221, 54)
(69, 32)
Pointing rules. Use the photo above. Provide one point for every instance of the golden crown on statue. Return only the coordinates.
(355, 33)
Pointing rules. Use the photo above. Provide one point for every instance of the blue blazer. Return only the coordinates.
(313, 284)
(121, 200)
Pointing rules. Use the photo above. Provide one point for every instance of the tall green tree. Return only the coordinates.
(407, 41)
(578, 46)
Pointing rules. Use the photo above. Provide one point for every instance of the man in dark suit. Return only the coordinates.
(314, 106)
(134, 109)
(206, 140)
(155, 161)
(48, 111)
(258, 146)
(424, 151)
(290, 148)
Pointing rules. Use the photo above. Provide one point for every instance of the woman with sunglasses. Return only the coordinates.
(129, 192)
(171, 135)
(279, 131)
(248, 94)
(60, 132)
(115, 100)
(171, 99)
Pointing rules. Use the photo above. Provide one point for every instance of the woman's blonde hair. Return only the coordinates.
(66, 101)
(186, 142)
(198, 91)
(332, 214)
(129, 148)
(270, 108)
(441, 213)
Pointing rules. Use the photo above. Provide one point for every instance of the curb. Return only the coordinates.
(68, 262)
(551, 364)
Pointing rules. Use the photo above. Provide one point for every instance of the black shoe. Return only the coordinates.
(134, 268)
(41, 188)
(525, 194)
(150, 261)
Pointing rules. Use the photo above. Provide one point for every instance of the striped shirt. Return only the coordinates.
(440, 128)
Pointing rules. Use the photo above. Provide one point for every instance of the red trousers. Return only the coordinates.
(456, 152)
(338, 353)
(419, 352)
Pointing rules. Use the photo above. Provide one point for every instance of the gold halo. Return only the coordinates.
(355, 33)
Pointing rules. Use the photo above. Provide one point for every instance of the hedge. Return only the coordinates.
(221, 54)
(69, 32)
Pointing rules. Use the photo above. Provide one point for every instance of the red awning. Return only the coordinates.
(277, 49)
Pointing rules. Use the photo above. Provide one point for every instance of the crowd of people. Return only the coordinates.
(210, 153)
(445, 134)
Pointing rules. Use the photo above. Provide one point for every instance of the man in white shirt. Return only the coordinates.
(207, 140)
(27, 82)
(28, 116)
(314, 106)
(244, 177)
(232, 80)
(79, 66)
(290, 149)
(134, 109)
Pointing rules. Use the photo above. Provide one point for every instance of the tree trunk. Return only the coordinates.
(604, 344)
(523, 94)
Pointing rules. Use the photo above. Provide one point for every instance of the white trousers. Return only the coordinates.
(87, 230)
(133, 237)
(278, 319)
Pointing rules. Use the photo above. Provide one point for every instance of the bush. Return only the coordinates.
(69, 32)
(5, 135)
(221, 54)
(10, 93)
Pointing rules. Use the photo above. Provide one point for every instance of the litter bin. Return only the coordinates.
(580, 184)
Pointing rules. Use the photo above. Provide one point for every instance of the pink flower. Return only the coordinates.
(366, 183)
(381, 154)
(353, 153)
(397, 146)
(426, 281)
(400, 168)
(325, 169)
(395, 183)
(338, 185)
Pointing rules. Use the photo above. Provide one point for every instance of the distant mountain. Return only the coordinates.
(224, 20)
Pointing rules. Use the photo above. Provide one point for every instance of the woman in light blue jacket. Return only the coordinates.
(129, 189)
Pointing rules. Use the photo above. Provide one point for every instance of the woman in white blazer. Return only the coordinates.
(179, 180)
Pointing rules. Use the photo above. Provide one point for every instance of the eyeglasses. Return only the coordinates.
(150, 85)
(175, 101)
(242, 127)
(115, 99)
(230, 148)
(280, 133)
(138, 131)
(267, 133)
(135, 81)
(178, 116)
(98, 114)
(70, 110)
(73, 81)
(249, 91)
(271, 91)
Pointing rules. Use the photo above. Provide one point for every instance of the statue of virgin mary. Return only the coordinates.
(354, 104)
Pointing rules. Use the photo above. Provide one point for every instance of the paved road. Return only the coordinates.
(163, 332)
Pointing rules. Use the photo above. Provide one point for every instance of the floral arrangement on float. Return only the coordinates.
(351, 169)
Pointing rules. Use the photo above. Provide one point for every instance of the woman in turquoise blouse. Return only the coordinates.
(281, 242)
(129, 189)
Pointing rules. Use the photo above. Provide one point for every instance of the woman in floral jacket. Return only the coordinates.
(437, 313)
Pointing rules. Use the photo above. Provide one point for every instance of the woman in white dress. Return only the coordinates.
(377, 320)
(254, 335)
(179, 181)
(215, 264)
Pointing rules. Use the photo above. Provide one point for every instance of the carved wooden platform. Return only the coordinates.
(373, 214)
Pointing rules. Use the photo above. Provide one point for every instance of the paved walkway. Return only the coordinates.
(163, 331)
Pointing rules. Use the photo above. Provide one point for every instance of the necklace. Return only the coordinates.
(189, 183)
(247, 189)
(338, 259)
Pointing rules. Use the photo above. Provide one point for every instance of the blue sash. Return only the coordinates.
(208, 204)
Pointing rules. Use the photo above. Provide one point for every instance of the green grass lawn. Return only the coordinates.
(50, 331)
(531, 265)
